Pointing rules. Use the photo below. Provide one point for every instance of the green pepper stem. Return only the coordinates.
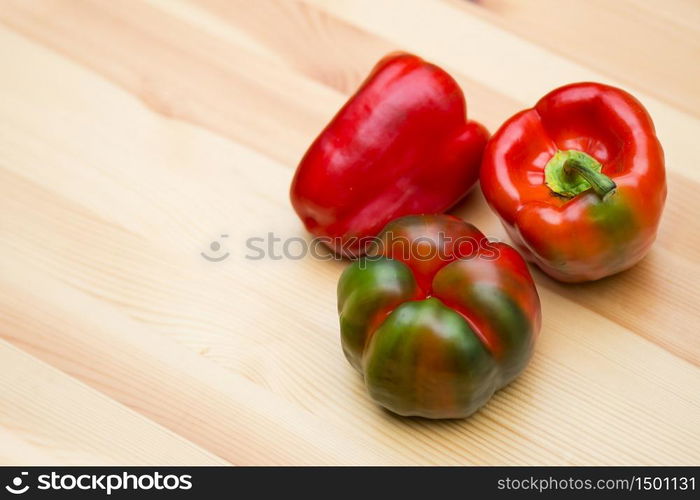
(571, 172)
(601, 183)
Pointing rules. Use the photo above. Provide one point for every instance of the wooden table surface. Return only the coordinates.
(134, 134)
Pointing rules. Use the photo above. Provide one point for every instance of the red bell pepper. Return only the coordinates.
(401, 145)
(578, 181)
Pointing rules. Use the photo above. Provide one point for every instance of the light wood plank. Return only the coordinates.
(47, 417)
(648, 45)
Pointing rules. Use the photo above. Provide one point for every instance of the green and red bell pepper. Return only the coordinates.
(437, 318)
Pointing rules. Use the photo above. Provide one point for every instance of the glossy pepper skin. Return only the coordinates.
(401, 145)
(437, 318)
(534, 176)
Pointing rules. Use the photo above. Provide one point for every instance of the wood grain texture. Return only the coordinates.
(132, 134)
(50, 418)
(616, 38)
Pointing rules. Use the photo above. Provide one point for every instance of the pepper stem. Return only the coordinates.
(571, 172)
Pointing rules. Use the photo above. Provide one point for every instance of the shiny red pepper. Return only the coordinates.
(401, 145)
(578, 181)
